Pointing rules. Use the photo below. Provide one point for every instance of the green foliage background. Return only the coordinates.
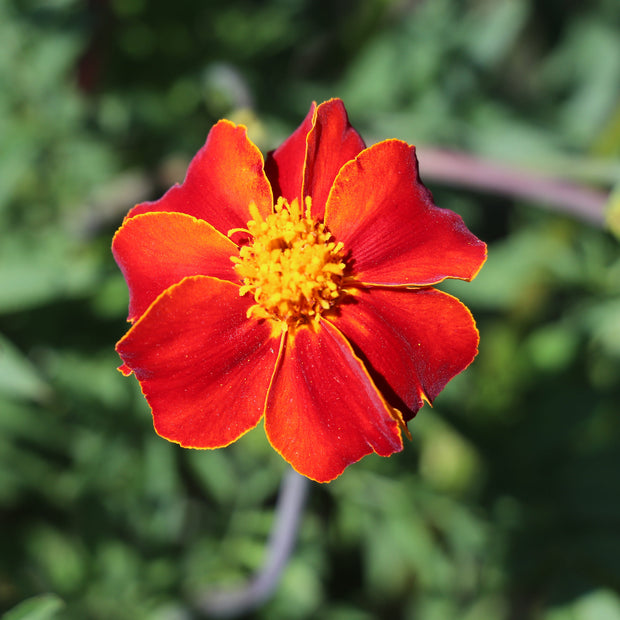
(506, 504)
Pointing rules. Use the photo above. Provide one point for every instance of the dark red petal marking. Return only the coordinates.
(413, 341)
(332, 142)
(285, 166)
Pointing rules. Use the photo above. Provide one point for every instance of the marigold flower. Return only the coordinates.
(316, 310)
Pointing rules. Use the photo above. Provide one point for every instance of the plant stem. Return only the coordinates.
(241, 600)
(464, 170)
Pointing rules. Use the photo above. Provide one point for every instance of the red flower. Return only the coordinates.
(317, 312)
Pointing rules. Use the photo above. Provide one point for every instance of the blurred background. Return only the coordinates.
(506, 504)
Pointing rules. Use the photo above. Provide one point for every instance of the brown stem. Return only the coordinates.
(462, 170)
(248, 596)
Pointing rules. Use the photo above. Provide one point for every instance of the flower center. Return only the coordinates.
(291, 267)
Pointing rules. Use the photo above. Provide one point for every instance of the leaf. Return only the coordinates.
(19, 378)
(44, 268)
(612, 212)
(43, 607)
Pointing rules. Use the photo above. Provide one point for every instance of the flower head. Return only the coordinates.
(299, 289)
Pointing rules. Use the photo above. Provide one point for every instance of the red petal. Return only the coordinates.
(414, 341)
(156, 250)
(323, 411)
(387, 220)
(124, 370)
(331, 143)
(204, 368)
(285, 165)
(223, 178)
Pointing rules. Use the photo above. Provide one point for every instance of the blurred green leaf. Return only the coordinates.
(19, 378)
(493, 28)
(597, 605)
(40, 270)
(43, 607)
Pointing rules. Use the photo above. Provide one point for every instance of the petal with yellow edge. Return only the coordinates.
(156, 250)
(285, 165)
(223, 178)
(386, 219)
(332, 142)
(203, 366)
(323, 410)
(413, 342)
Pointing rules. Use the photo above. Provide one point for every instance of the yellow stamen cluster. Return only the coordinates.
(291, 267)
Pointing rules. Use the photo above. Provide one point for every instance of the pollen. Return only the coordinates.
(291, 266)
